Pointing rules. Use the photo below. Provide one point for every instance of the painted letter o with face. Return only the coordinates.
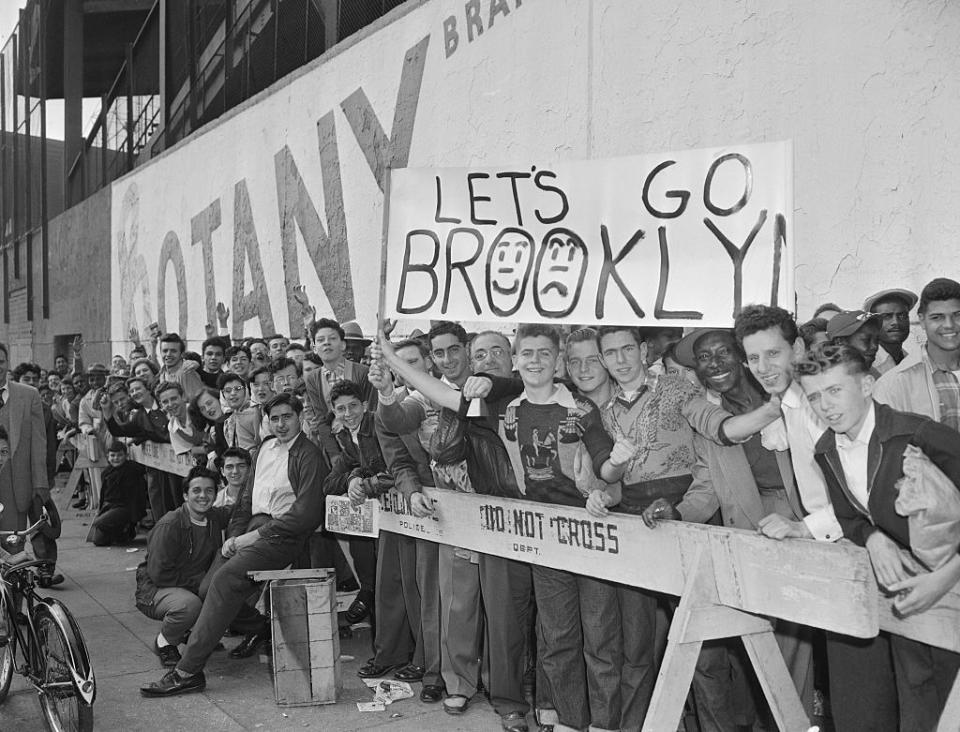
(508, 270)
(561, 268)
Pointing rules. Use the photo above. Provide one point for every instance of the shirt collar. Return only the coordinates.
(278, 446)
(793, 397)
(925, 357)
(337, 373)
(561, 395)
(866, 431)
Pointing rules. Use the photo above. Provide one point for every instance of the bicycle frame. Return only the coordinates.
(19, 580)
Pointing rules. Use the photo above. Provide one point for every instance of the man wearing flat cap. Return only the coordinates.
(892, 309)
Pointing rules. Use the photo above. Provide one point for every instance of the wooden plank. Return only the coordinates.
(775, 681)
(284, 574)
(673, 683)
(710, 623)
(938, 626)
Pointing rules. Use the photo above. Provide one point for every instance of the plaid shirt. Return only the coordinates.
(948, 392)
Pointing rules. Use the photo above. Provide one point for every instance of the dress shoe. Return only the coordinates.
(173, 683)
(50, 580)
(456, 704)
(431, 693)
(514, 722)
(373, 670)
(80, 502)
(410, 672)
(249, 645)
(169, 655)
(358, 610)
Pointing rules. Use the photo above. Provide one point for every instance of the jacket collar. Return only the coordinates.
(561, 395)
(889, 424)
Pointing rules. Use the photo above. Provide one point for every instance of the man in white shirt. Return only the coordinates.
(286, 485)
(772, 344)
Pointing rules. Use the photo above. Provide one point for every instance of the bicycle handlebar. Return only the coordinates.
(44, 520)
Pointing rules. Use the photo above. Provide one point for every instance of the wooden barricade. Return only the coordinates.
(730, 583)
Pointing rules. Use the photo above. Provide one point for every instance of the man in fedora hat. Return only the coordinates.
(892, 308)
(356, 342)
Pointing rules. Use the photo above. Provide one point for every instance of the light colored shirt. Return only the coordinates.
(804, 428)
(853, 458)
(884, 361)
(272, 492)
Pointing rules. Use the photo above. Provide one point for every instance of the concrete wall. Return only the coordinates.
(79, 241)
(288, 189)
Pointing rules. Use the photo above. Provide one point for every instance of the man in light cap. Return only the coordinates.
(892, 307)
(857, 329)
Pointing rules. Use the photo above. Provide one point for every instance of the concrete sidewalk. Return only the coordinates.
(99, 591)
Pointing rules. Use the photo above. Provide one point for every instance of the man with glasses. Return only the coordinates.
(286, 376)
(242, 426)
(490, 353)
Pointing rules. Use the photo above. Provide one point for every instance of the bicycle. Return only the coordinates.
(46, 639)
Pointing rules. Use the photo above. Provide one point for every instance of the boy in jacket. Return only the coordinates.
(180, 549)
(861, 456)
(121, 500)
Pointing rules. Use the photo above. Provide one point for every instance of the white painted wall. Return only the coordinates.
(866, 89)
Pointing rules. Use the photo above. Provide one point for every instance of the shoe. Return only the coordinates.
(80, 502)
(514, 722)
(169, 655)
(373, 670)
(249, 645)
(410, 672)
(173, 683)
(347, 585)
(357, 611)
(456, 704)
(50, 580)
(431, 693)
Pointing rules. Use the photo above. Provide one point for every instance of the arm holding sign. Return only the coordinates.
(433, 389)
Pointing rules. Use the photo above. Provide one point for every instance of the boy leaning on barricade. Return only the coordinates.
(865, 455)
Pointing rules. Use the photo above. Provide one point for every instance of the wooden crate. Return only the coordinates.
(306, 642)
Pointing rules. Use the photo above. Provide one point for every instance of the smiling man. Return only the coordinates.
(862, 456)
(926, 382)
(746, 482)
(174, 369)
(892, 308)
(285, 495)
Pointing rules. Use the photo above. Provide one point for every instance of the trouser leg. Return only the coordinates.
(459, 621)
(407, 563)
(177, 609)
(505, 585)
(364, 553)
(109, 527)
(863, 689)
(561, 651)
(924, 676)
(638, 613)
(226, 593)
(428, 586)
(602, 650)
(796, 645)
(394, 643)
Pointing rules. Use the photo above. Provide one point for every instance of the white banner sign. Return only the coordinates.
(681, 239)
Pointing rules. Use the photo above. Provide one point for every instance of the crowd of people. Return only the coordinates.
(791, 430)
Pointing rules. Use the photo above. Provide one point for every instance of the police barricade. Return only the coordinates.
(730, 582)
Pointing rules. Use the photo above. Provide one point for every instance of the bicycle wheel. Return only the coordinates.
(7, 631)
(63, 709)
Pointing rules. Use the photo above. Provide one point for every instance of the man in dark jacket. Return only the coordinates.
(181, 548)
(861, 456)
(121, 499)
(286, 484)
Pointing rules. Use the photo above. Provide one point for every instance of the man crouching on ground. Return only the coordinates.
(181, 548)
(287, 463)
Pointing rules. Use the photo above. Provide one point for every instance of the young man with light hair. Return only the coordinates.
(862, 456)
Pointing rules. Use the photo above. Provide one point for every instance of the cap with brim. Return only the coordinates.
(847, 323)
(908, 297)
(683, 351)
(98, 368)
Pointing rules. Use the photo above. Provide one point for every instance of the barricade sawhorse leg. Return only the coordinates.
(700, 617)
